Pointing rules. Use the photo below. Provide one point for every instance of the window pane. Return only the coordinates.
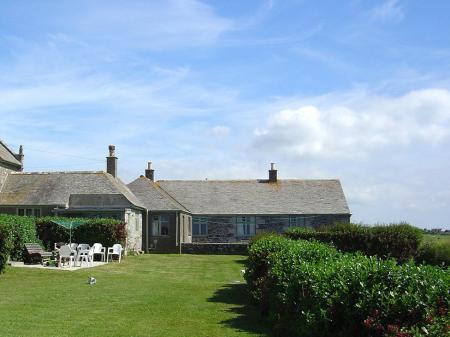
(204, 228)
(155, 226)
(37, 212)
(29, 212)
(196, 228)
(21, 211)
(164, 223)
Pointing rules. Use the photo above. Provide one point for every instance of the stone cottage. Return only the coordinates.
(72, 194)
(234, 210)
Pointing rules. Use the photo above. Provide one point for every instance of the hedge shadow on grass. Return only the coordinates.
(248, 316)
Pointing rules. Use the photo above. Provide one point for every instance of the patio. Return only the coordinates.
(66, 268)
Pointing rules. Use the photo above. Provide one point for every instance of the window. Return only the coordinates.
(190, 227)
(296, 221)
(29, 211)
(160, 225)
(199, 226)
(245, 226)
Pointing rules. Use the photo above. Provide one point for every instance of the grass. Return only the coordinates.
(435, 249)
(441, 238)
(147, 295)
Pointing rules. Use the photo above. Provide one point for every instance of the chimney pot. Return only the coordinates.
(272, 173)
(149, 172)
(111, 161)
(19, 156)
(112, 150)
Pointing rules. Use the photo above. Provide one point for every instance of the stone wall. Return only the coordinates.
(329, 219)
(220, 229)
(133, 219)
(223, 228)
(215, 248)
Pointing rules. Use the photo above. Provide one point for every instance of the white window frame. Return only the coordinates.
(33, 212)
(297, 221)
(245, 226)
(201, 223)
(157, 224)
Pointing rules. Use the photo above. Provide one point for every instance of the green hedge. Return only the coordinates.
(311, 289)
(104, 231)
(400, 241)
(5, 246)
(18, 230)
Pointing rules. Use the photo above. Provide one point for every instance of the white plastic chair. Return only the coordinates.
(66, 253)
(83, 246)
(115, 250)
(86, 256)
(99, 249)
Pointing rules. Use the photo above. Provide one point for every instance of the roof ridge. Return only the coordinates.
(172, 199)
(244, 180)
(119, 184)
(58, 172)
(6, 147)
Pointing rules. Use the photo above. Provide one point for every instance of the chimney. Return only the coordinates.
(20, 156)
(272, 173)
(111, 161)
(149, 172)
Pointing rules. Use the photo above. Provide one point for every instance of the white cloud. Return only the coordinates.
(154, 25)
(390, 10)
(219, 130)
(356, 124)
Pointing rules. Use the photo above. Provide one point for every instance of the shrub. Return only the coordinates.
(105, 231)
(400, 241)
(5, 246)
(310, 289)
(396, 240)
(434, 253)
(21, 230)
(259, 262)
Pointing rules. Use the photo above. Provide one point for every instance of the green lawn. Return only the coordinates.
(147, 295)
(441, 238)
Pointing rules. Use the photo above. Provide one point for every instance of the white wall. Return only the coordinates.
(133, 219)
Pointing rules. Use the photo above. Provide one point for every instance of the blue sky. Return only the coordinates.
(355, 90)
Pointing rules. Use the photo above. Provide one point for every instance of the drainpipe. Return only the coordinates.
(178, 232)
(146, 231)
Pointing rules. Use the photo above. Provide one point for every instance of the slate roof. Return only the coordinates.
(153, 197)
(216, 197)
(6, 155)
(55, 188)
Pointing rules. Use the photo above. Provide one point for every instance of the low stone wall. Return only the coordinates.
(215, 248)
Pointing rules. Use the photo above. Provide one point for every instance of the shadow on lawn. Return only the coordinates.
(248, 317)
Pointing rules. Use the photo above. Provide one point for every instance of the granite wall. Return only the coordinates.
(215, 248)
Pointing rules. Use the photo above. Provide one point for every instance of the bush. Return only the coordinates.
(21, 230)
(434, 253)
(400, 241)
(310, 289)
(105, 231)
(5, 246)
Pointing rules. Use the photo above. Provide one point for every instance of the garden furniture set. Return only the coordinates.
(75, 254)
